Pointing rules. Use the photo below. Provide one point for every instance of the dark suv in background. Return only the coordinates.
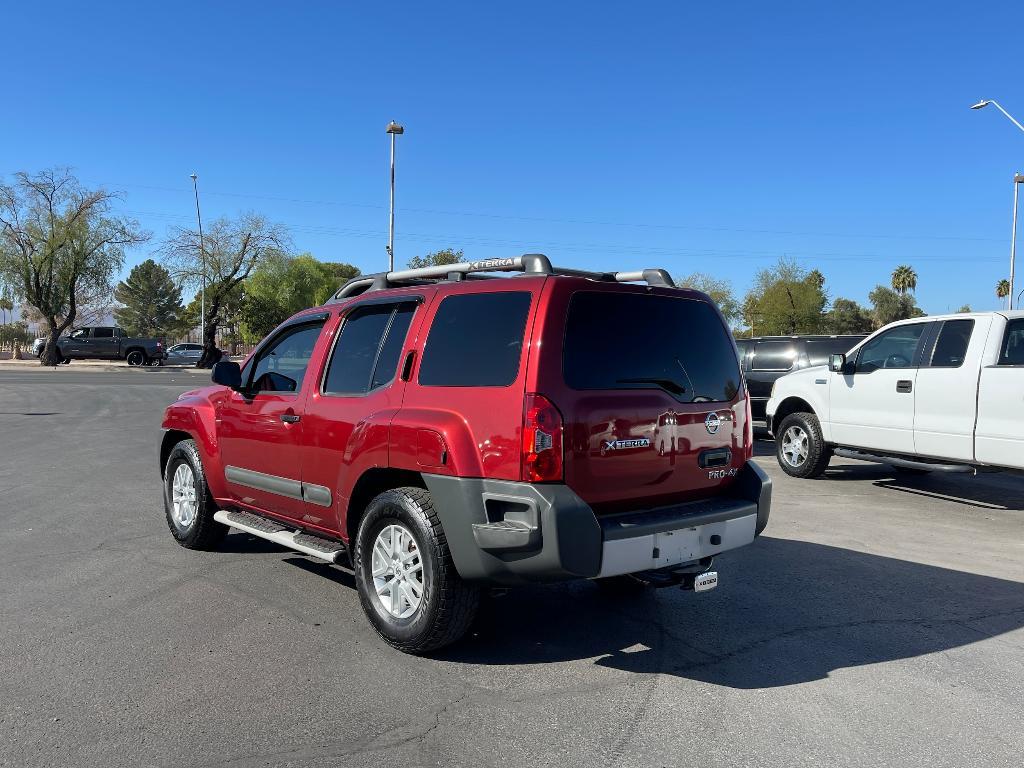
(766, 358)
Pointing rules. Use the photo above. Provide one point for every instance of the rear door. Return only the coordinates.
(945, 403)
(872, 404)
(1000, 431)
(650, 391)
(103, 343)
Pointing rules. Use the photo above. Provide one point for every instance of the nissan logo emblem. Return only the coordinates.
(712, 423)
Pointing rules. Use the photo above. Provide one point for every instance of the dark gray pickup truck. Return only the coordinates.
(109, 343)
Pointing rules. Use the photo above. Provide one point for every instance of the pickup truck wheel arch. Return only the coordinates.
(786, 407)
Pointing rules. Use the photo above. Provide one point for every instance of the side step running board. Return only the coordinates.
(849, 453)
(271, 530)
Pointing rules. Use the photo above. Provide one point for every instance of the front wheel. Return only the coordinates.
(188, 504)
(407, 582)
(800, 448)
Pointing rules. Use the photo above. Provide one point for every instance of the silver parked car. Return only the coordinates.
(184, 354)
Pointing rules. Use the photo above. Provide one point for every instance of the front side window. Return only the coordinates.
(1012, 351)
(476, 340)
(620, 341)
(81, 333)
(951, 347)
(894, 348)
(369, 345)
(281, 365)
(773, 356)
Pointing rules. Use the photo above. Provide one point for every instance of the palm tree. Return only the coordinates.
(6, 305)
(904, 279)
(1003, 288)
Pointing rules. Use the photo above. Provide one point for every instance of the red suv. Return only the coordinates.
(450, 428)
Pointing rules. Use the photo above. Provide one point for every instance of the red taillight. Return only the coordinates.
(542, 440)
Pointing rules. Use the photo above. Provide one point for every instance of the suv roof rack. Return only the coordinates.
(529, 263)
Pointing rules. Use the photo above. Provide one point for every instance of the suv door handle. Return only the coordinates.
(904, 385)
(290, 418)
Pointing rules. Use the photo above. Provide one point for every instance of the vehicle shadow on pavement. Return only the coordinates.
(787, 612)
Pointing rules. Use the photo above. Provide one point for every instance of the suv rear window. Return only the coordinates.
(637, 341)
(773, 356)
(476, 340)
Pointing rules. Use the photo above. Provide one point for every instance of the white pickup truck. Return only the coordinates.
(941, 393)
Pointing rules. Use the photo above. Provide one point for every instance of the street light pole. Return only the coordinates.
(985, 102)
(202, 260)
(1018, 179)
(395, 130)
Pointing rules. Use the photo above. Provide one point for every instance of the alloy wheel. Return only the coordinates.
(184, 499)
(795, 446)
(397, 571)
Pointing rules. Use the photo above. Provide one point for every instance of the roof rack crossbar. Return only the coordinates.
(529, 263)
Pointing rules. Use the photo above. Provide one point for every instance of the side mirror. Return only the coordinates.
(837, 363)
(228, 374)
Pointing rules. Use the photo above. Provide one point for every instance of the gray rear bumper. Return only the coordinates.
(510, 533)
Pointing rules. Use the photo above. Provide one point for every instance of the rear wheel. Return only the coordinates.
(136, 358)
(800, 448)
(407, 582)
(188, 505)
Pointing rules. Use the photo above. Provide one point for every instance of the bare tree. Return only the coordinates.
(58, 241)
(229, 251)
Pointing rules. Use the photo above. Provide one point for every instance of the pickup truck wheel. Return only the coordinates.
(407, 582)
(800, 449)
(136, 358)
(188, 505)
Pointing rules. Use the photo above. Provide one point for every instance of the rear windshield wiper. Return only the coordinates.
(668, 385)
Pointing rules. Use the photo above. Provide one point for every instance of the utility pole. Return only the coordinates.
(202, 260)
(395, 130)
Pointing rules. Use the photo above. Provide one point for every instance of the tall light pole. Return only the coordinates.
(202, 260)
(395, 130)
(1017, 180)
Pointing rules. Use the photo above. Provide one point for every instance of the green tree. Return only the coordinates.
(904, 279)
(786, 299)
(226, 255)
(718, 289)
(59, 241)
(1003, 289)
(965, 308)
(890, 306)
(282, 286)
(150, 301)
(848, 317)
(437, 258)
(6, 305)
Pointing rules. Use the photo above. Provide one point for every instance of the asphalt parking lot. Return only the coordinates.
(879, 621)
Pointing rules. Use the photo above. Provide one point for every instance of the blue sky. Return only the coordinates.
(699, 137)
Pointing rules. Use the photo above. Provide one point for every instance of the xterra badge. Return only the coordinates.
(712, 423)
(619, 445)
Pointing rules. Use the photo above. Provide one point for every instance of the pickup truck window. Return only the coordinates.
(281, 365)
(894, 348)
(1012, 352)
(103, 333)
(951, 348)
(81, 333)
(366, 354)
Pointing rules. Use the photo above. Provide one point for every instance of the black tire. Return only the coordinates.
(136, 358)
(202, 532)
(447, 604)
(813, 456)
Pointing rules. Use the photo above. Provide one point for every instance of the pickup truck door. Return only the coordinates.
(259, 431)
(353, 401)
(999, 437)
(103, 343)
(945, 401)
(77, 344)
(871, 404)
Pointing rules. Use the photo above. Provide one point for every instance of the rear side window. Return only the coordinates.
(638, 341)
(773, 356)
(818, 350)
(103, 333)
(1012, 352)
(951, 347)
(476, 340)
(366, 354)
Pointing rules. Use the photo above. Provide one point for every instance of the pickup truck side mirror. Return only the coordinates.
(837, 363)
(228, 374)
